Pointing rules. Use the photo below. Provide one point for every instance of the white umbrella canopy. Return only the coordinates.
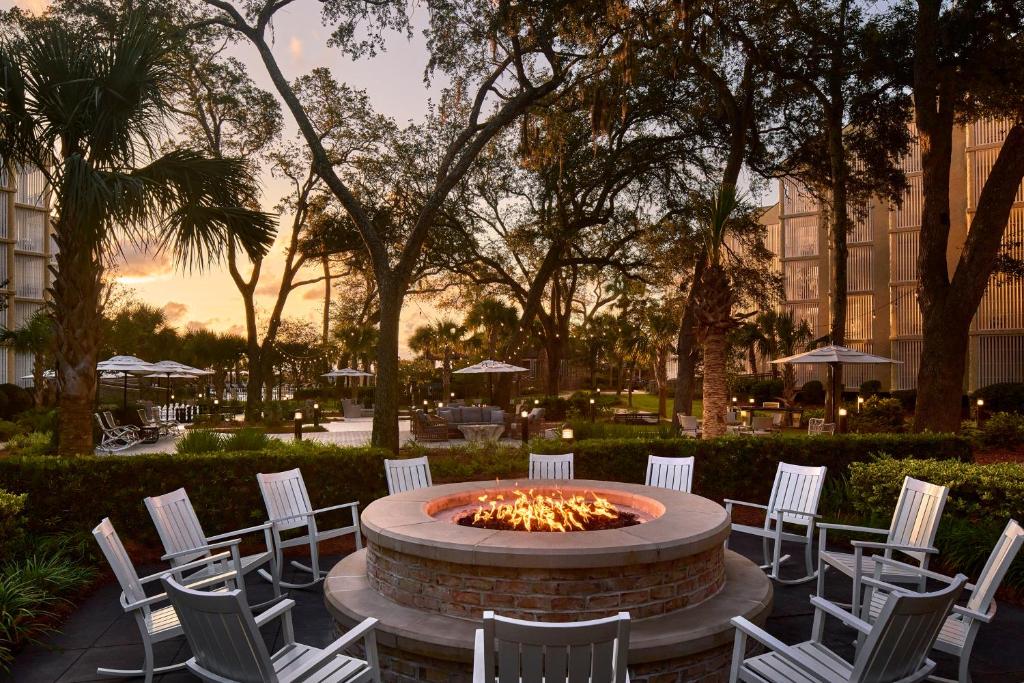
(833, 357)
(487, 366)
(47, 374)
(173, 367)
(124, 366)
(835, 354)
(347, 372)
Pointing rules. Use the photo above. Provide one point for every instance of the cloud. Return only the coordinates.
(236, 329)
(269, 289)
(313, 294)
(174, 311)
(295, 47)
(138, 265)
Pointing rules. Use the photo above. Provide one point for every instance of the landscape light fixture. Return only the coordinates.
(298, 425)
(593, 411)
(842, 420)
(316, 414)
(860, 402)
(734, 399)
(567, 433)
(526, 425)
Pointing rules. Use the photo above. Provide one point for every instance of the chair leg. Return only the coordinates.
(821, 578)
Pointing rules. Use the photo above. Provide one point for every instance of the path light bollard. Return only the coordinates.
(743, 418)
(593, 410)
(298, 425)
(860, 402)
(567, 434)
(842, 421)
(316, 414)
(524, 420)
(980, 413)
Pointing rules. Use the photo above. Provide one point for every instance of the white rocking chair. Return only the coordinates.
(551, 466)
(156, 623)
(911, 533)
(793, 500)
(960, 628)
(688, 426)
(531, 652)
(407, 475)
(288, 506)
(817, 425)
(892, 650)
(670, 473)
(115, 439)
(184, 540)
(227, 644)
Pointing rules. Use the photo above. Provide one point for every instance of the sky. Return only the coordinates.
(394, 82)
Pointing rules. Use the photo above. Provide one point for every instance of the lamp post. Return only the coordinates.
(567, 434)
(842, 421)
(316, 414)
(980, 414)
(298, 425)
(743, 417)
(525, 422)
(860, 402)
(593, 410)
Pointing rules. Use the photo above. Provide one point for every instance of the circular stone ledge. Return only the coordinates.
(413, 523)
(680, 635)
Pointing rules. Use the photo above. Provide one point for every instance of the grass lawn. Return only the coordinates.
(645, 401)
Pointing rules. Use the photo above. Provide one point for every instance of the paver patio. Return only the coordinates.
(100, 634)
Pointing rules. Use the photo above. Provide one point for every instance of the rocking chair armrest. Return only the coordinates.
(744, 503)
(331, 508)
(312, 513)
(359, 631)
(240, 532)
(194, 564)
(912, 568)
(777, 646)
(850, 527)
(834, 610)
(878, 584)
(201, 548)
(879, 545)
(797, 513)
(161, 597)
(282, 606)
(984, 617)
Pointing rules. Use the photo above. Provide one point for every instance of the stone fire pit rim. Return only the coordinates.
(690, 524)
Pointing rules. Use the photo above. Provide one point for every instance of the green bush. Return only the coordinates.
(74, 494)
(584, 429)
(8, 430)
(878, 415)
(200, 441)
(813, 392)
(38, 420)
(247, 439)
(1002, 430)
(11, 506)
(1005, 396)
(766, 389)
(870, 387)
(907, 397)
(19, 400)
(33, 443)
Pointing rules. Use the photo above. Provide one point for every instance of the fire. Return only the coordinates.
(529, 511)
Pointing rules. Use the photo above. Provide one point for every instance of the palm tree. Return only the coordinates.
(441, 341)
(790, 338)
(492, 320)
(749, 337)
(714, 307)
(35, 336)
(90, 108)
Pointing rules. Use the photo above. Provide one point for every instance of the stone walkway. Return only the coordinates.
(99, 634)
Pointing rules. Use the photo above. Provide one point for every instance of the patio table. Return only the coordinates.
(481, 432)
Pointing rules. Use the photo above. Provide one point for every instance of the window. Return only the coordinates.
(855, 375)
(987, 132)
(808, 312)
(796, 198)
(904, 375)
(859, 316)
(980, 166)
(31, 187)
(22, 312)
(23, 362)
(29, 276)
(802, 236)
(3, 268)
(903, 250)
(906, 313)
(801, 280)
(4, 203)
(1002, 306)
(908, 213)
(861, 219)
(858, 269)
(30, 229)
(998, 359)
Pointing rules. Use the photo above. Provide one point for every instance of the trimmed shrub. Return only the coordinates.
(878, 415)
(73, 494)
(1005, 396)
(1004, 430)
(33, 444)
(907, 397)
(813, 392)
(38, 420)
(11, 506)
(870, 387)
(8, 430)
(19, 400)
(247, 439)
(200, 441)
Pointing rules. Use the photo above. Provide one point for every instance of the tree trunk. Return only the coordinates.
(326, 334)
(715, 384)
(77, 292)
(553, 351)
(38, 383)
(940, 380)
(838, 250)
(386, 395)
(686, 349)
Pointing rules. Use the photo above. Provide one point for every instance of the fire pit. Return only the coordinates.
(434, 562)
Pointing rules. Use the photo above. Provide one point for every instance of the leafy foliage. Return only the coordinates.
(878, 415)
(200, 441)
(1005, 396)
(247, 439)
(1003, 430)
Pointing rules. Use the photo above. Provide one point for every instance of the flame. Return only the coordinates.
(529, 511)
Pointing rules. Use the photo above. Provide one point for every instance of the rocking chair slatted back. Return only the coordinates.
(120, 563)
(222, 633)
(582, 652)
(670, 473)
(551, 466)
(407, 475)
(284, 494)
(916, 518)
(996, 567)
(796, 488)
(177, 524)
(904, 633)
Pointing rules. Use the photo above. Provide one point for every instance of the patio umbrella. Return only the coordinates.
(172, 369)
(47, 374)
(347, 372)
(834, 356)
(124, 366)
(490, 367)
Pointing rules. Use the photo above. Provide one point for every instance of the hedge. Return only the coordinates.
(975, 491)
(74, 494)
